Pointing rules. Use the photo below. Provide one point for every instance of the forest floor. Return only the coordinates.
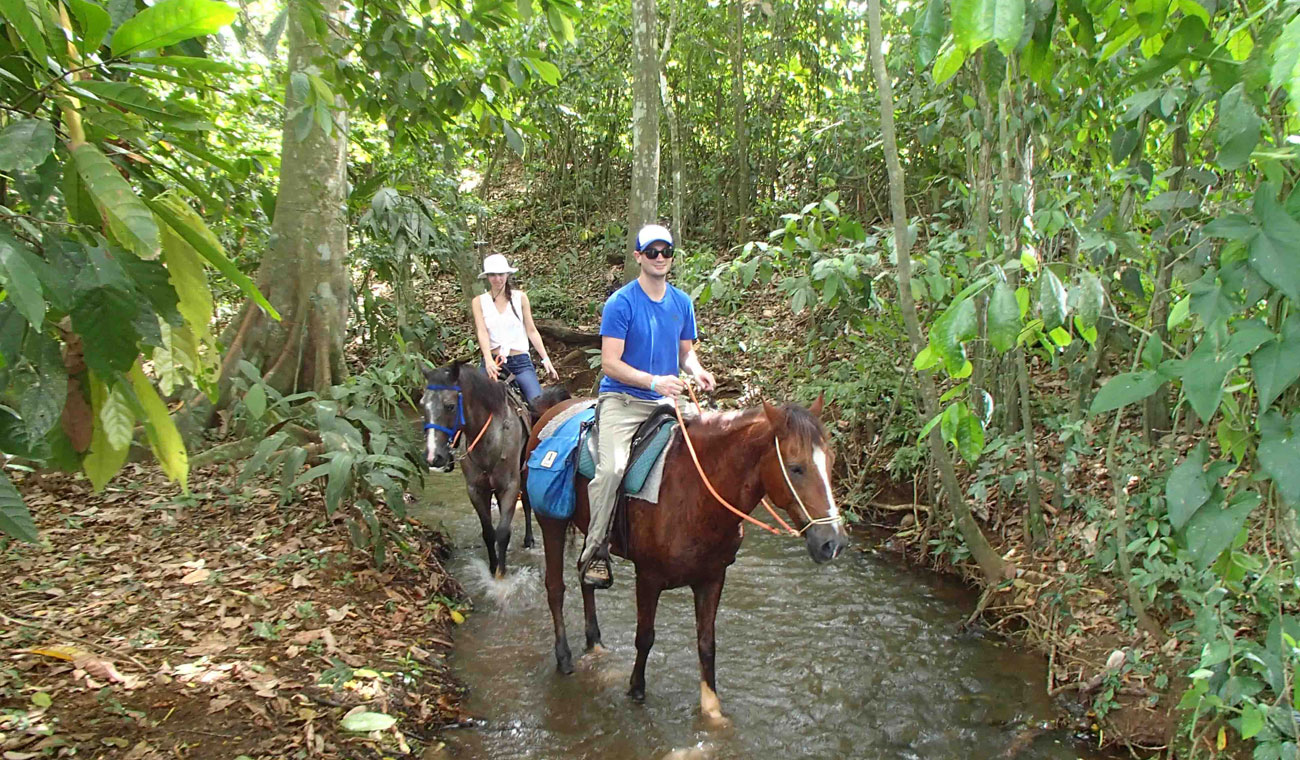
(216, 624)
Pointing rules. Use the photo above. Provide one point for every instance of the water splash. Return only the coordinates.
(520, 590)
(701, 751)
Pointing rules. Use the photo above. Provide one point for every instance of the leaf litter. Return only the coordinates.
(154, 624)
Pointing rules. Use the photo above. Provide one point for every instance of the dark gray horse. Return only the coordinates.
(462, 405)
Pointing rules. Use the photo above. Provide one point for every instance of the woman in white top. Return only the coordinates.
(503, 321)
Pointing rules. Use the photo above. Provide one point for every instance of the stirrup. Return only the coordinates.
(598, 574)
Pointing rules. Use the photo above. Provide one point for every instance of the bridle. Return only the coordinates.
(454, 433)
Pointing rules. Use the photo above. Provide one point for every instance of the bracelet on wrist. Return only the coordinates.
(653, 378)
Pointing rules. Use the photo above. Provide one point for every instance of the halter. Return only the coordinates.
(454, 433)
(766, 504)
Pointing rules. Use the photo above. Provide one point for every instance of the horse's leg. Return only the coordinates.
(647, 603)
(481, 498)
(553, 545)
(589, 612)
(528, 518)
(507, 495)
(707, 596)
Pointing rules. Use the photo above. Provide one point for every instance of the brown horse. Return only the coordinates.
(689, 538)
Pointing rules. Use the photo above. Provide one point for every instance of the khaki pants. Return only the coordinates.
(617, 417)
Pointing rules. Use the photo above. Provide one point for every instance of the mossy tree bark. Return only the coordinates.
(304, 273)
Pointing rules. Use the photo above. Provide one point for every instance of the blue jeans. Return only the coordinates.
(521, 366)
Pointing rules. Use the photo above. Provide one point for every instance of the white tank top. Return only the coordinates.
(505, 329)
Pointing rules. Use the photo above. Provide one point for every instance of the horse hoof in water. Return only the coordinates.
(637, 694)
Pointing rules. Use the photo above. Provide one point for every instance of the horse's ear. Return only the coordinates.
(816, 408)
(775, 415)
(428, 375)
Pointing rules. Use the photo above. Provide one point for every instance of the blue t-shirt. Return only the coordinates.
(650, 331)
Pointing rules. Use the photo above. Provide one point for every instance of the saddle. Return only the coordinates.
(648, 443)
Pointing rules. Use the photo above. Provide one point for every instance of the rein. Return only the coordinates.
(454, 433)
(742, 515)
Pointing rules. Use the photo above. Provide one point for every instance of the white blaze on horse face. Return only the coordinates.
(430, 443)
(819, 459)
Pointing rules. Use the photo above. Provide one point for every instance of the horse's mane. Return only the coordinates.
(799, 421)
(475, 384)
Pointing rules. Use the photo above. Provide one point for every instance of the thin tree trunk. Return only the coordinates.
(1156, 408)
(674, 132)
(738, 114)
(994, 568)
(303, 274)
(644, 206)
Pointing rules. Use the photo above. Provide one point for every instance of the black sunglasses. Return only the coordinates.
(654, 253)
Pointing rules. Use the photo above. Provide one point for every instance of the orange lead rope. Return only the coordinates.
(480, 434)
(699, 468)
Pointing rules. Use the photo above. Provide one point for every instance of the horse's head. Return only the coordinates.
(444, 415)
(797, 477)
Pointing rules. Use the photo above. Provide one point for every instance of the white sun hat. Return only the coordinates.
(496, 264)
(653, 233)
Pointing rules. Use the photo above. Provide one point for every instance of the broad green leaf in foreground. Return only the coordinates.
(128, 217)
(15, 519)
(169, 22)
(25, 144)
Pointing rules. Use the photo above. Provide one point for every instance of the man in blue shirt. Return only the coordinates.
(647, 338)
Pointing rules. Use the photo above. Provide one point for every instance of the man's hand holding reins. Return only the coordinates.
(704, 379)
(668, 385)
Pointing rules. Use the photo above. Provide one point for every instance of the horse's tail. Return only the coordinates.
(551, 395)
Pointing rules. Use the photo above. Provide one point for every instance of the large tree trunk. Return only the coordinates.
(674, 132)
(644, 206)
(303, 274)
(994, 568)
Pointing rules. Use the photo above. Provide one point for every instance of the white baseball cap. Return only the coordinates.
(496, 264)
(652, 233)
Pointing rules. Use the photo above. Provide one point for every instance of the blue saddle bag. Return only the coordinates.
(552, 468)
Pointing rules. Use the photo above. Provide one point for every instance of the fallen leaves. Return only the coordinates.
(234, 613)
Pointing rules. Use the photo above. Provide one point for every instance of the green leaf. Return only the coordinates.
(25, 144)
(1090, 299)
(94, 22)
(128, 217)
(513, 139)
(28, 27)
(1179, 313)
(975, 22)
(926, 359)
(1003, 318)
(1238, 129)
(339, 471)
(1052, 300)
(549, 72)
(1125, 389)
(190, 227)
(1273, 253)
(1277, 365)
(1231, 227)
(18, 267)
(929, 30)
(169, 22)
(42, 381)
(164, 438)
(114, 430)
(948, 62)
(1286, 63)
(369, 721)
(956, 325)
(1203, 377)
(1211, 529)
(1252, 720)
(15, 520)
(255, 401)
(1279, 455)
(1187, 490)
(138, 100)
(561, 26)
(103, 313)
(525, 10)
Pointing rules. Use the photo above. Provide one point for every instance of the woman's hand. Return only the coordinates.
(550, 369)
(491, 367)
